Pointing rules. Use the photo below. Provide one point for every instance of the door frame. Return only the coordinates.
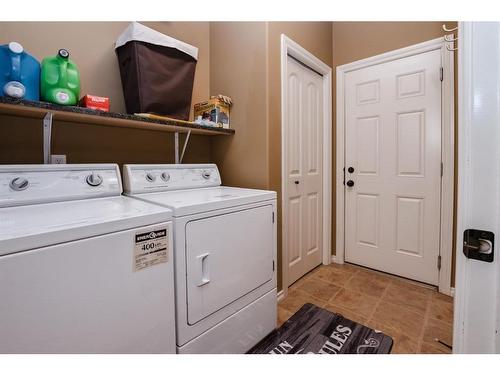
(292, 48)
(465, 101)
(447, 148)
(471, 324)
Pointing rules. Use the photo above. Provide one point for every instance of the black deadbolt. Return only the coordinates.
(350, 169)
(350, 183)
(479, 245)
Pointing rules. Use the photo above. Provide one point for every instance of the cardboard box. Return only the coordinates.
(214, 110)
(95, 102)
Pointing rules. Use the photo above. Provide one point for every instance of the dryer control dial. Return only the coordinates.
(94, 179)
(19, 183)
(206, 174)
(165, 176)
(150, 177)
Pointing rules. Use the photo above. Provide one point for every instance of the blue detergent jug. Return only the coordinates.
(19, 73)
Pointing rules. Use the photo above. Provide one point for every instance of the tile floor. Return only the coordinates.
(411, 313)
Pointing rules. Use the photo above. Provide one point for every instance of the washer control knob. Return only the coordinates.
(165, 176)
(19, 183)
(206, 174)
(150, 177)
(94, 179)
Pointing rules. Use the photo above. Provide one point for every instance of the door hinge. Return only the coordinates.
(439, 262)
(442, 169)
(273, 265)
(441, 74)
(273, 216)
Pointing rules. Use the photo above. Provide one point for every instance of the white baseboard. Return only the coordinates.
(452, 292)
(335, 260)
(281, 296)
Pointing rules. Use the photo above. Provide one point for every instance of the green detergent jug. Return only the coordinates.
(60, 79)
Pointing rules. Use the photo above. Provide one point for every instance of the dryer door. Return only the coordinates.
(227, 256)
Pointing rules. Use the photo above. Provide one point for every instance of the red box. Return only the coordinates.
(95, 102)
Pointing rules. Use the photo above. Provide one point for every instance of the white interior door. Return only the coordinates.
(303, 164)
(393, 144)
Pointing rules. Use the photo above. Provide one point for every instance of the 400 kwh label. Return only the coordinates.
(150, 248)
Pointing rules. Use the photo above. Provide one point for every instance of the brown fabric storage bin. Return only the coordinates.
(156, 78)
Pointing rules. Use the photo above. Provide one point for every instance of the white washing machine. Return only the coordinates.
(83, 269)
(225, 255)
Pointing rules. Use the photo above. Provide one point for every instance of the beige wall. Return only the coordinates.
(91, 45)
(358, 40)
(238, 69)
(239, 59)
(251, 75)
(21, 142)
(334, 43)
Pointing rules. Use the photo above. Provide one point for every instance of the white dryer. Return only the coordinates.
(225, 255)
(83, 269)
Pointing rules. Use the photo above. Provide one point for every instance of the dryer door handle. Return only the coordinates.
(204, 269)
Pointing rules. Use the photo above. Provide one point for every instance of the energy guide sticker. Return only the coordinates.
(150, 248)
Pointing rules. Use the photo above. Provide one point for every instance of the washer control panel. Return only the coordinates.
(29, 184)
(164, 177)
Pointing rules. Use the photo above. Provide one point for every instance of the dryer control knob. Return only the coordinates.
(165, 176)
(150, 177)
(206, 174)
(19, 183)
(94, 179)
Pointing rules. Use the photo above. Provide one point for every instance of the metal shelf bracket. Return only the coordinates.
(47, 137)
(178, 158)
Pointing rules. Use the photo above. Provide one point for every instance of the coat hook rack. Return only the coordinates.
(449, 30)
(450, 38)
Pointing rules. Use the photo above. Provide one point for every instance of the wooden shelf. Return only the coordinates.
(38, 110)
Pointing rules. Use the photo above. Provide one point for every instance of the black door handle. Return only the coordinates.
(479, 245)
(296, 182)
(350, 183)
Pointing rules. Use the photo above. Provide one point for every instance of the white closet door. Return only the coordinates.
(303, 150)
(393, 144)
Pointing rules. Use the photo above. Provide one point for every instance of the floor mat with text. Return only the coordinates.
(313, 330)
